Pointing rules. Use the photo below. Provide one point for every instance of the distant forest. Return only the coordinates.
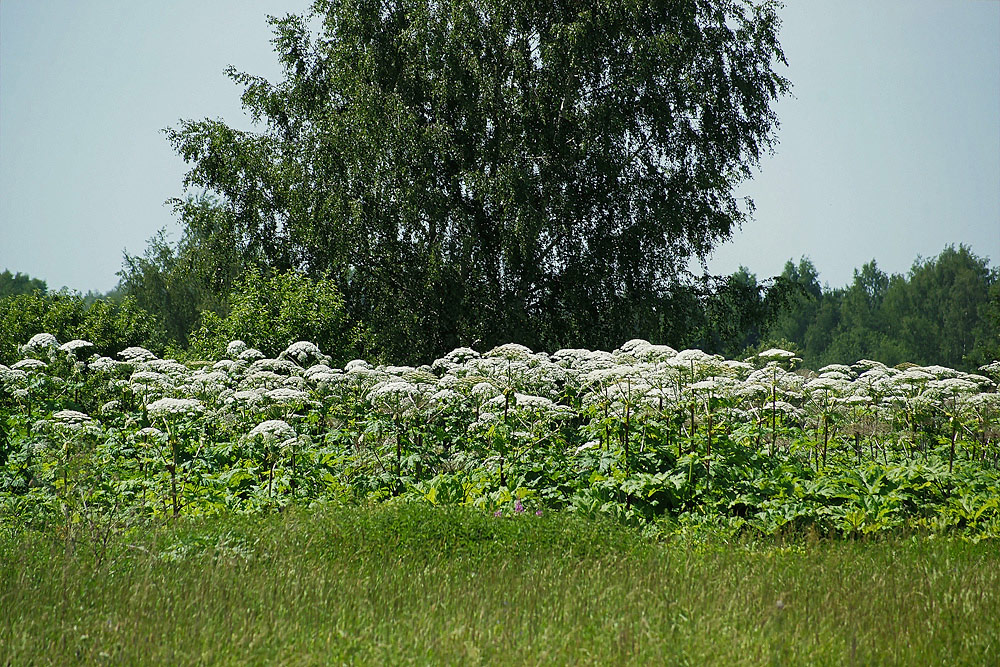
(19, 283)
(945, 310)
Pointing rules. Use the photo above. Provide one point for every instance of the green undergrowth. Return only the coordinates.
(409, 583)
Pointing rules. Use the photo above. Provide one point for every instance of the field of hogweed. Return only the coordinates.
(664, 439)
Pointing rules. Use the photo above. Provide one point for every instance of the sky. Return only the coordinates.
(888, 149)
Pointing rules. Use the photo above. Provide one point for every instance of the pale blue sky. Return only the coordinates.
(889, 149)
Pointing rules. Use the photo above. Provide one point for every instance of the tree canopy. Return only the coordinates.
(19, 283)
(946, 310)
(491, 170)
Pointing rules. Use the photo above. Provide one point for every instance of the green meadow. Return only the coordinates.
(413, 584)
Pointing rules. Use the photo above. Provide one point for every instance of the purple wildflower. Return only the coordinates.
(518, 507)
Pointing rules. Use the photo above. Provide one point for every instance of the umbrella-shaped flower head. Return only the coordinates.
(172, 408)
(273, 430)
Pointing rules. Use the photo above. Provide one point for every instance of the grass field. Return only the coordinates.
(414, 584)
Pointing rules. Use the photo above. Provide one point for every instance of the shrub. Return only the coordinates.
(270, 312)
(110, 326)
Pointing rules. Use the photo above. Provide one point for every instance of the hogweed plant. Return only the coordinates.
(177, 415)
(398, 401)
(274, 438)
(71, 437)
(644, 432)
(823, 402)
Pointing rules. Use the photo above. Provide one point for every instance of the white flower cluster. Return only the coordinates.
(235, 349)
(304, 354)
(69, 423)
(77, 349)
(70, 417)
(30, 365)
(272, 430)
(38, 344)
(530, 391)
(175, 407)
(136, 354)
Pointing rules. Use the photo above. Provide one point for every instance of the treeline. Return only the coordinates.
(945, 310)
(195, 291)
(172, 303)
(19, 283)
(476, 174)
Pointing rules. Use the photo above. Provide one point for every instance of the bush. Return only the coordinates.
(110, 326)
(270, 312)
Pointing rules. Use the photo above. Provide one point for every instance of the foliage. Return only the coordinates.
(733, 313)
(179, 283)
(19, 283)
(988, 347)
(645, 434)
(272, 312)
(944, 311)
(111, 326)
(484, 170)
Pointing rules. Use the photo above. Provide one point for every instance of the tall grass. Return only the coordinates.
(413, 584)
